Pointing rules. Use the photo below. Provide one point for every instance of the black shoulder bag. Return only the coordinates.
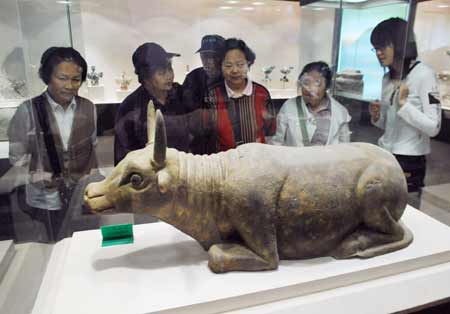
(64, 190)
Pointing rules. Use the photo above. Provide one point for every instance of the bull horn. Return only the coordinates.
(159, 149)
(151, 119)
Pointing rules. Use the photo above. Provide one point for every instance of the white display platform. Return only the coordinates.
(165, 271)
(4, 150)
(6, 255)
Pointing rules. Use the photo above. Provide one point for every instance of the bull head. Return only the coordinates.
(141, 181)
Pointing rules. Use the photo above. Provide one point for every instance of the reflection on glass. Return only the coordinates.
(358, 69)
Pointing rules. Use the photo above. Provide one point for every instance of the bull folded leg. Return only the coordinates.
(379, 233)
(258, 247)
(257, 252)
(231, 257)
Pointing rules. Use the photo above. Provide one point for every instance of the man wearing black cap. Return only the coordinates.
(153, 66)
(198, 81)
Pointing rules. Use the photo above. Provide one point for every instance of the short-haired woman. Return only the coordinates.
(314, 118)
(243, 108)
(408, 112)
(53, 136)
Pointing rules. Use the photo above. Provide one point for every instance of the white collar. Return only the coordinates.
(248, 90)
(55, 105)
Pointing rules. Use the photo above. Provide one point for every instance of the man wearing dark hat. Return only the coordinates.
(153, 66)
(198, 81)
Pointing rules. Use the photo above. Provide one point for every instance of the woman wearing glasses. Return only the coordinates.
(409, 111)
(314, 118)
(242, 109)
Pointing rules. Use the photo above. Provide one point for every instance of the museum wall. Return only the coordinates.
(432, 27)
(30, 27)
(112, 30)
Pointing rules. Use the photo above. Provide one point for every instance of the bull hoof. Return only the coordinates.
(216, 260)
(235, 257)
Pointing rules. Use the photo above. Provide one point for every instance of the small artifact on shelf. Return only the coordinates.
(350, 81)
(267, 71)
(12, 88)
(443, 76)
(94, 77)
(444, 88)
(285, 71)
(123, 81)
(341, 200)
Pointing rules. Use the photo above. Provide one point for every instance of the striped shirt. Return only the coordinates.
(246, 119)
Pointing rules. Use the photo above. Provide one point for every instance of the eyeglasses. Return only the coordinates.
(307, 81)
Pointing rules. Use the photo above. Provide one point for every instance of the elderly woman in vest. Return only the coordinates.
(314, 118)
(53, 136)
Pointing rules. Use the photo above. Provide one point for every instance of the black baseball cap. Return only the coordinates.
(211, 43)
(151, 55)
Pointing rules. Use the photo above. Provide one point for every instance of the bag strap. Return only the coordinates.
(42, 115)
(302, 121)
(411, 68)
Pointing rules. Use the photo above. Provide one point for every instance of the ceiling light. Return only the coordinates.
(225, 8)
(258, 3)
(443, 6)
(248, 8)
(232, 1)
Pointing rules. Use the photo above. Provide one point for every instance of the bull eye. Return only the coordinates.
(136, 180)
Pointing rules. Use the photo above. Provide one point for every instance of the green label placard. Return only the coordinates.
(117, 234)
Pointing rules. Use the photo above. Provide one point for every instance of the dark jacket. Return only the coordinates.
(131, 122)
(195, 88)
(195, 96)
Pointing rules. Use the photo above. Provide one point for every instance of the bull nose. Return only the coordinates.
(95, 189)
(98, 204)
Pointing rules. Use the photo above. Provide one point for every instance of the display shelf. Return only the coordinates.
(96, 93)
(165, 271)
(354, 96)
(282, 93)
(11, 103)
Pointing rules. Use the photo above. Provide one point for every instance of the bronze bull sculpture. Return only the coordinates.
(251, 206)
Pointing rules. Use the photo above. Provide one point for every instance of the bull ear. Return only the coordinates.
(159, 149)
(164, 179)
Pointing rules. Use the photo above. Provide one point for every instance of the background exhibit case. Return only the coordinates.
(283, 34)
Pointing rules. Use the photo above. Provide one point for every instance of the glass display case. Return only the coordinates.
(284, 35)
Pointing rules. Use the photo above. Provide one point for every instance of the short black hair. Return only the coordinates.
(235, 43)
(394, 31)
(322, 68)
(56, 55)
